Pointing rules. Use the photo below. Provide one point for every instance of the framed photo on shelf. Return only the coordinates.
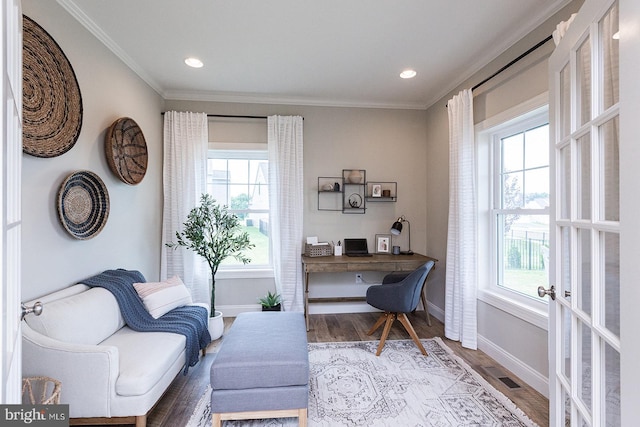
(383, 243)
(376, 190)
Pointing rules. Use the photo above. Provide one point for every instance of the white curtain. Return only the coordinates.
(286, 206)
(461, 272)
(184, 180)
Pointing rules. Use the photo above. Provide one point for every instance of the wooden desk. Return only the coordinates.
(340, 264)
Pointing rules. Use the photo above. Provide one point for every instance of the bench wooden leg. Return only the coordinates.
(302, 418)
(216, 421)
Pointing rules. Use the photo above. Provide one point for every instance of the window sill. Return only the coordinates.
(247, 273)
(536, 316)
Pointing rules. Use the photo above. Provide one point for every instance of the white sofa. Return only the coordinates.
(107, 370)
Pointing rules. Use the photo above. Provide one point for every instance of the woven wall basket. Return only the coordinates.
(51, 101)
(83, 204)
(126, 150)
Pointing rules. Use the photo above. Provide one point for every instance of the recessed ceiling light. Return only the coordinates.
(193, 62)
(408, 74)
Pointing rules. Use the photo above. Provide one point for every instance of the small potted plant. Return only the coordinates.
(213, 232)
(271, 302)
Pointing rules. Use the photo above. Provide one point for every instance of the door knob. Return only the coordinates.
(36, 309)
(551, 292)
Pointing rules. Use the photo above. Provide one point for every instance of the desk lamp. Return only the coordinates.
(396, 229)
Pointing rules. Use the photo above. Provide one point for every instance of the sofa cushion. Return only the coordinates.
(144, 358)
(160, 298)
(85, 318)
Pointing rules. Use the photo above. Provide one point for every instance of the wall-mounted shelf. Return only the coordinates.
(379, 191)
(351, 192)
(330, 193)
(354, 184)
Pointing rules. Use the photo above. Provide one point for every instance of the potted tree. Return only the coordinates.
(213, 232)
(271, 302)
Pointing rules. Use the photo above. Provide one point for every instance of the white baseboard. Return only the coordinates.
(234, 310)
(529, 375)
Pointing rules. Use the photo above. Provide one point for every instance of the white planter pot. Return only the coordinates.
(216, 326)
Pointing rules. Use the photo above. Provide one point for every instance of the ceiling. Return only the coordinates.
(329, 52)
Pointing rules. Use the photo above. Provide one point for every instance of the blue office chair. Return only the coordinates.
(397, 299)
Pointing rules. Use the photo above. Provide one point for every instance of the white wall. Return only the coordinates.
(518, 345)
(53, 259)
(388, 144)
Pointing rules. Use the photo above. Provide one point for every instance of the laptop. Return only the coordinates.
(356, 247)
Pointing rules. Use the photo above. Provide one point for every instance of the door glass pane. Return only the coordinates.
(611, 383)
(565, 260)
(611, 251)
(609, 52)
(566, 409)
(584, 270)
(583, 73)
(584, 381)
(610, 168)
(565, 102)
(565, 346)
(564, 182)
(584, 176)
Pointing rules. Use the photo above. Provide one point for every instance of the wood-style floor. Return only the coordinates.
(176, 406)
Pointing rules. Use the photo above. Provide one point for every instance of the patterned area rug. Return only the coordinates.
(350, 386)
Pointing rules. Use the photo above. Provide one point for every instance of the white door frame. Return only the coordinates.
(10, 201)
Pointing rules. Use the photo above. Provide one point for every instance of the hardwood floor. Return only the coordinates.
(176, 406)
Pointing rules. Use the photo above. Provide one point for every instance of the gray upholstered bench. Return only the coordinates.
(262, 369)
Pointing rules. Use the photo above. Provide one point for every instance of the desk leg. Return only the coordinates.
(306, 298)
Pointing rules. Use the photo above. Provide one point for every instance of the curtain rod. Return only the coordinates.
(511, 63)
(231, 116)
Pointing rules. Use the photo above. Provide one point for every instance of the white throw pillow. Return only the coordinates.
(161, 297)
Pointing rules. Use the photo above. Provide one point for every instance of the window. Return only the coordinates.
(514, 177)
(239, 178)
(521, 208)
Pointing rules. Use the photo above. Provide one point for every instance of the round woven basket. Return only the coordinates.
(83, 204)
(51, 100)
(126, 150)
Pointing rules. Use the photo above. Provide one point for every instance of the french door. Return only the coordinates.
(10, 217)
(584, 332)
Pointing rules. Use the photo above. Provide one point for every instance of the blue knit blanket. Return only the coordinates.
(190, 321)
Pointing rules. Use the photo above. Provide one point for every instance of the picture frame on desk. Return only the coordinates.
(383, 243)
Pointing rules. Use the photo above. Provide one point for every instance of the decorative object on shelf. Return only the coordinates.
(126, 150)
(328, 187)
(355, 200)
(383, 243)
(83, 204)
(51, 100)
(396, 229)
(386, 193)
(355, 177)
(376, 190)
(336, 186)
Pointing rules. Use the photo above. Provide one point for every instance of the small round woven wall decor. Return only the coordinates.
(51, 100)
(83, 204)
(126, 150)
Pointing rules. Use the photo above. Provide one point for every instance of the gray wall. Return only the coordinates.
(388, 144)
(52, 259)
(525, 80)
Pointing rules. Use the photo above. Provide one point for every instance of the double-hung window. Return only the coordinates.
(514, 213)
(238, 177)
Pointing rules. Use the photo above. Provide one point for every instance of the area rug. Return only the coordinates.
(349, 386)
